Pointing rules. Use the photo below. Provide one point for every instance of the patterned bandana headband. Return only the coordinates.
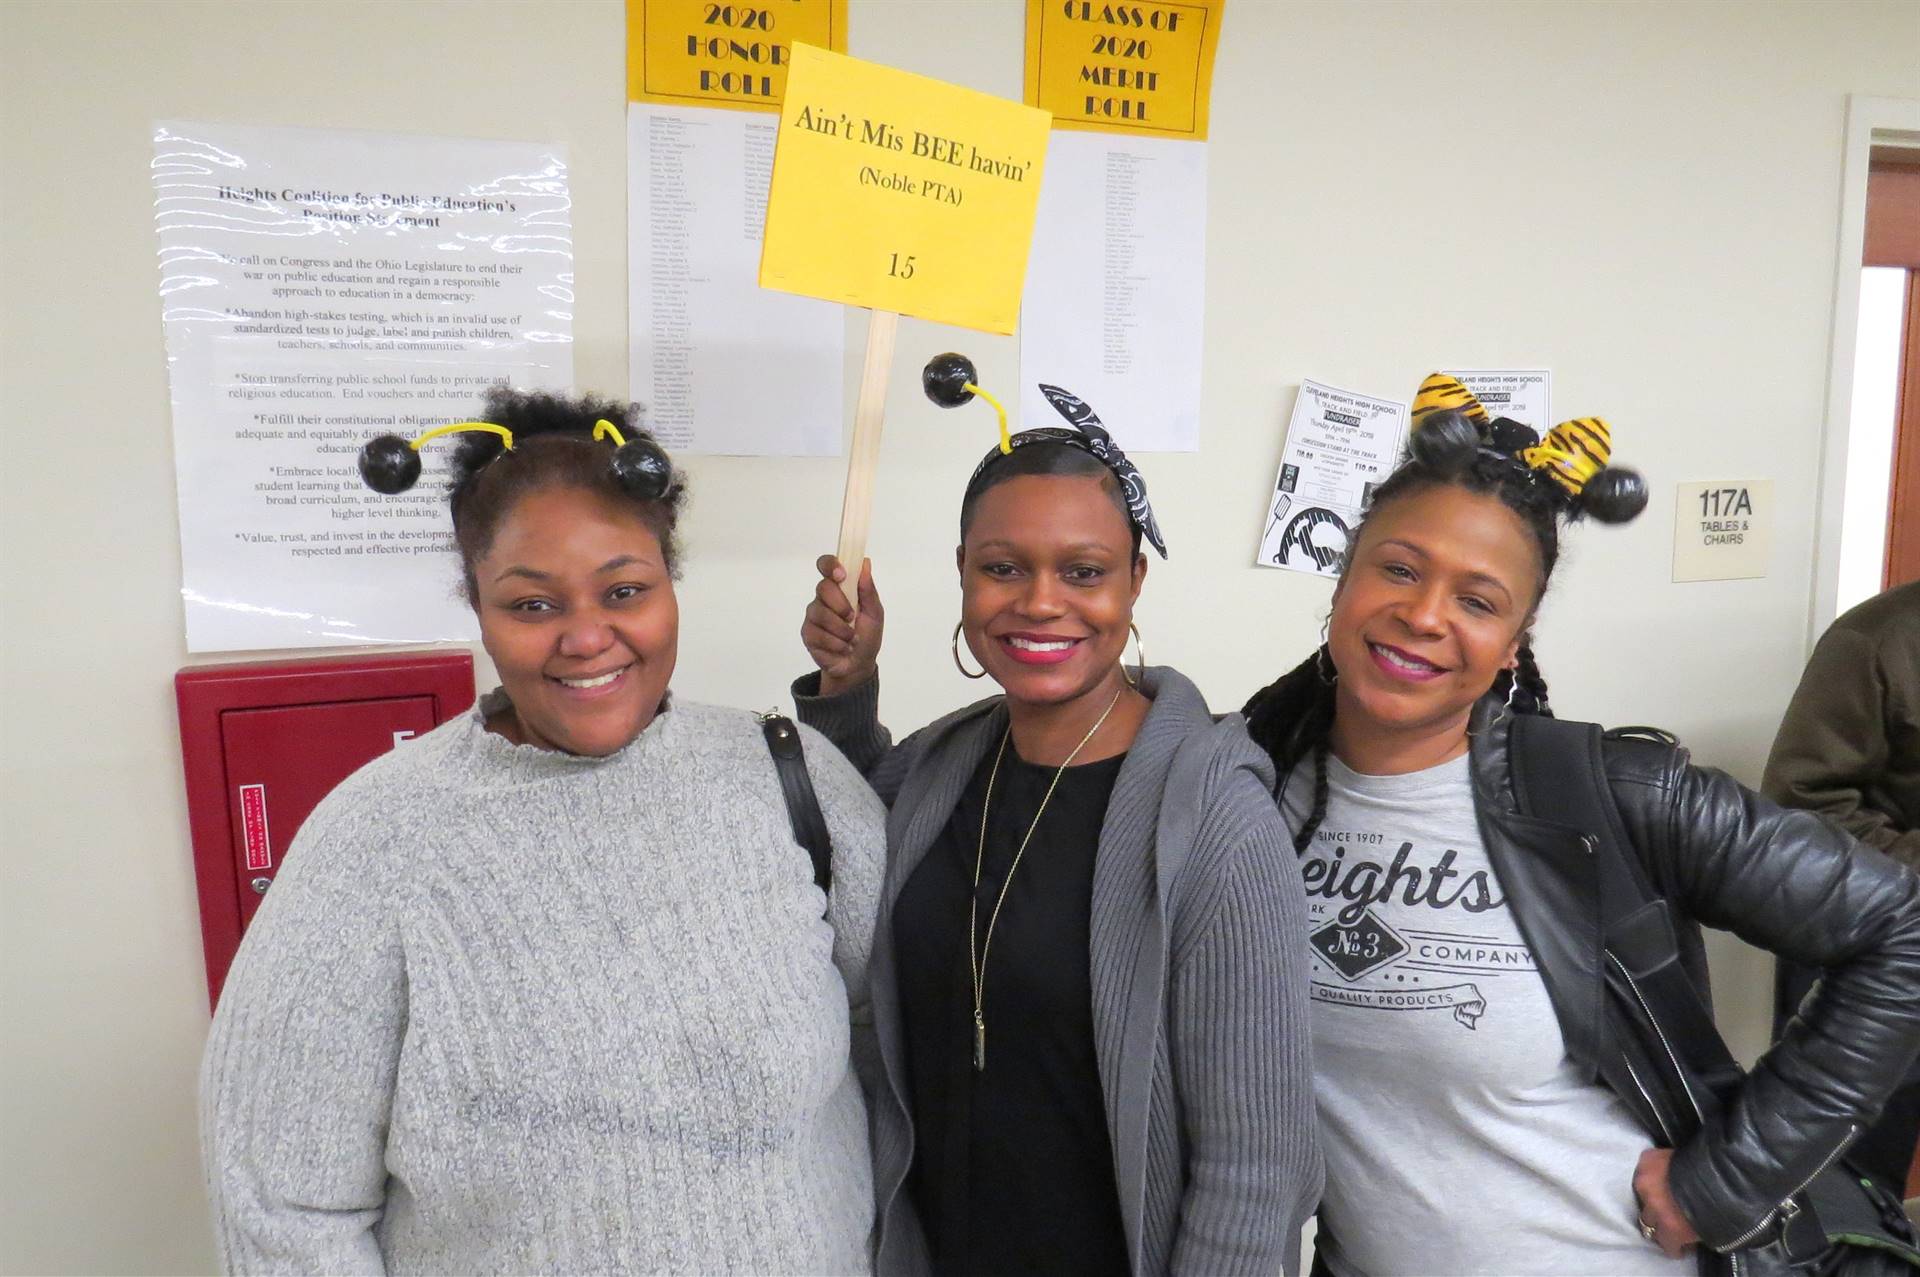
(949, 381)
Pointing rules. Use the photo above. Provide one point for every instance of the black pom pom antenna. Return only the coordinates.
(391, 464)
(951, 380)
(1615, 495)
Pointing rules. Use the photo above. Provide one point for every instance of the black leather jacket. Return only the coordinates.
(1782, 880)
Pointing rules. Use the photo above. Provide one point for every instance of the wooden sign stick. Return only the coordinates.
(863, 458)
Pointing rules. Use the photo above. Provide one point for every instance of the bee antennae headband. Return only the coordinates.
(950, 380)
(391, 464)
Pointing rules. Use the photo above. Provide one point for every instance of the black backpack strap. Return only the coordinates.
(796, 786)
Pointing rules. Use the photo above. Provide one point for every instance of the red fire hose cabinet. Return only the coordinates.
(264, 743)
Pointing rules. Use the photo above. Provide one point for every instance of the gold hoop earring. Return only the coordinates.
(957, 625)
(1140, 656)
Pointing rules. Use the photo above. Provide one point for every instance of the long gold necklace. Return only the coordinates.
(977, 959)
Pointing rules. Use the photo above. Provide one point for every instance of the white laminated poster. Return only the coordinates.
(1340, 445)
(1525, 395)
(319, 288)
(720, 364)
(1116, 286)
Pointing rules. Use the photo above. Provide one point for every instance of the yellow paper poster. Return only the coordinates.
(1142, 68)
(902, 193)
(697, 53)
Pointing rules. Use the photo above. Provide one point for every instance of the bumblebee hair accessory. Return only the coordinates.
(1573, 457)
(1441, 393)
(1572, 453)
(391, 464)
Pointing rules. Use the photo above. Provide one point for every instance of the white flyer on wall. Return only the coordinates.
(720, 364)
(1524, 394)
(1115, 298)
(319, 288)
(1340, 445)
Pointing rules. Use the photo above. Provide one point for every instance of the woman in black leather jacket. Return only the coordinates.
(1479, 1106)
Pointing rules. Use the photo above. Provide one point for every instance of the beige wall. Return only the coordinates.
(1642, 197)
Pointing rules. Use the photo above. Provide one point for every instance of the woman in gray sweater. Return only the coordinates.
(552, 988)
(1089, 971)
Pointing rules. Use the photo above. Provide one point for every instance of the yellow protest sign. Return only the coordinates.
(698, 53)
(1124, 67)
(901, 193)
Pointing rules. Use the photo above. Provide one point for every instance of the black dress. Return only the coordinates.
(1013, 1168)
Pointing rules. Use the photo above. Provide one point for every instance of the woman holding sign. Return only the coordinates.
(1519, 1071)
(1089, 982)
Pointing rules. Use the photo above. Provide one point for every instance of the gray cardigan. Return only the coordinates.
(1199, 965)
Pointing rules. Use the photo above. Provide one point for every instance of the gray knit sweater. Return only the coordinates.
(1199, 962)
(509, 1010)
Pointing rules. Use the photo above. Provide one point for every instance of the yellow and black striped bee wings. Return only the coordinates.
(1573, 452)
(1441, 393)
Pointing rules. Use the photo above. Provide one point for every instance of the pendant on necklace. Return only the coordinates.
(979, 1043)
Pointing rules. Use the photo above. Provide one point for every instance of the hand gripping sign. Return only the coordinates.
(905, 195)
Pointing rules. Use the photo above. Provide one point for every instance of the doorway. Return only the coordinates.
(1869, 522)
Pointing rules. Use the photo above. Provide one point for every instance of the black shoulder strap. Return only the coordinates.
(1560, 775)
(803, 806)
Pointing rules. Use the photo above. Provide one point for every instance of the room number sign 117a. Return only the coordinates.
(1728, 503)
(1721, 530)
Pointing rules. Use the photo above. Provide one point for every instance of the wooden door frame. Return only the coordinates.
(1901, 562)
(1871, 121)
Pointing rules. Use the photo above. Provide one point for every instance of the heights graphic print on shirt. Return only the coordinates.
(1409, 917)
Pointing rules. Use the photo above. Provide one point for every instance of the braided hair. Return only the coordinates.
(1292, 717)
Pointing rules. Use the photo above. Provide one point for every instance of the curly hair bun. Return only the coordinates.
(389, 464)
(1446, 443)
(1615, 495)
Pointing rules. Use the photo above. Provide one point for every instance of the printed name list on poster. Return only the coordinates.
(1524, 394)
(720, 365)
(1116, 286)
(1340, 445)
(319, 288)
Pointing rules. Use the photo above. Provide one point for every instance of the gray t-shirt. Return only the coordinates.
(1459, 1137)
